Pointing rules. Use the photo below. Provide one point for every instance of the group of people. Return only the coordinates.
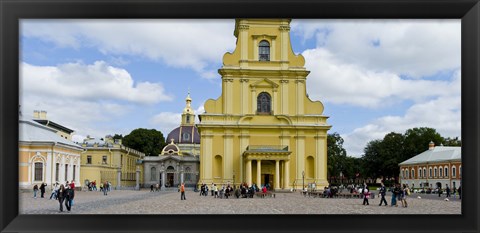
(399, 193)
(105, 187)
(224, 192)
(64, 193)
(155, 188)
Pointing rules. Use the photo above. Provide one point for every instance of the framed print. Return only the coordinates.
(216, 126)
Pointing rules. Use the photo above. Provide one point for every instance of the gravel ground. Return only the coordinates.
(146, 202)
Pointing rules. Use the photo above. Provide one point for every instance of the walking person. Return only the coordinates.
(447, 189)
(55, 191)
(366, 195)
(42, 189)
(105, 189)
(405, 192)
(35, 191)
(61, 196)
(394, 196)
(182, 192)
(383, 191)
(69, 195)
(213, 188)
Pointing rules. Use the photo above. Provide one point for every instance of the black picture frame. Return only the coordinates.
(11, 11)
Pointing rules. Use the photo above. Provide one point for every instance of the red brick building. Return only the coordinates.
(436, 167)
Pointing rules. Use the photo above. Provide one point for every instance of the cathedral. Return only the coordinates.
(179, 160)
(263, 129)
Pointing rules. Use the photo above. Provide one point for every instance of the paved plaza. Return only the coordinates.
(146, 202)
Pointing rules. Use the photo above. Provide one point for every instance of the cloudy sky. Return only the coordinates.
(102, 77)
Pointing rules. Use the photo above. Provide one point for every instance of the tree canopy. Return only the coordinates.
(148, 141)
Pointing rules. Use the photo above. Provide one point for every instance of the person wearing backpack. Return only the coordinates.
(69, 195)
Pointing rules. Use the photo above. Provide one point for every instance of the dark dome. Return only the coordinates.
(184, 135)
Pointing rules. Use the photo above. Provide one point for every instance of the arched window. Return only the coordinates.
(440, 171)
(153, 173)
(454, 171)
(446, 172)
(38, 172)
(185, 136)
(310, 168)
(264, 50)
(424, 172)
(264, 103)
(406, 173)
(188, 118)
(218, 167)
(430, 172)
(413, 174)
(419, 173)
(435, 172)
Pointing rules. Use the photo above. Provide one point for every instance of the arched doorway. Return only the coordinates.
(170, 176)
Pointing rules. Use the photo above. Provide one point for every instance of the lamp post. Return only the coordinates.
(303, 181)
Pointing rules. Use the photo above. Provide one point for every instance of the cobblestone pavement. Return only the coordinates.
(146, 202)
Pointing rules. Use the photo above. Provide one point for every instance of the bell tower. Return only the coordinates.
(188, 115)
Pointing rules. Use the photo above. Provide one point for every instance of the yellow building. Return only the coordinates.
(263, 129)
(108, 160)
(62, 131)
(45, 156)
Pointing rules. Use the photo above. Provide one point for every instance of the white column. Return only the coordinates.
(163, 179)
(277, 174)
(49, 173)
(119, 178)
(259, 171)
(249, 172)
(137, 179)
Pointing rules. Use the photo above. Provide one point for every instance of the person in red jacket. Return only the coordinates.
(72, 185)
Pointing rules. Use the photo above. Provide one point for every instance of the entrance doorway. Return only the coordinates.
(267, 179)
(169, 182)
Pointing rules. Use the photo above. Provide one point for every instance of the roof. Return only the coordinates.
(54, 125)
(437, 154)
(30, 131)
(176, 135)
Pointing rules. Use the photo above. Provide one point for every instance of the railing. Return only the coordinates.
(267, 148)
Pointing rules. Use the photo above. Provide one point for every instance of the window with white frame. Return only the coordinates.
(446, 172)
(430, 172)
(413, 174)
(435, 172)
(424, 172)
(419, 173)
(440, 171)
(38, 172)
(454, 170)
(406, 173)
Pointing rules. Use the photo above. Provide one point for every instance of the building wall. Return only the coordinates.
(49, 154)
(119, 158)
(231, 122)
(421, 178)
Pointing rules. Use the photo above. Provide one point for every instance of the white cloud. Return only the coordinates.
(442, 114)
(98, 81)
(166, 121)
(178, 43)
(415, 48)
(337, 82)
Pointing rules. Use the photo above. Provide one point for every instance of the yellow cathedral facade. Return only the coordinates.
(263, 129)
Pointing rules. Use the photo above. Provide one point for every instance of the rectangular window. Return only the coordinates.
(104, 159)
(74, 168)
(89, 159)
(38, 172)
(57, 171)
(66, 171)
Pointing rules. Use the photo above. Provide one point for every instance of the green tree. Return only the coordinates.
(117, 136)
(148, 141)
(452, 142)
(417, 140)
(336, 155)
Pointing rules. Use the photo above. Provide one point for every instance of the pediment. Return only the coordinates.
(264, 83)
